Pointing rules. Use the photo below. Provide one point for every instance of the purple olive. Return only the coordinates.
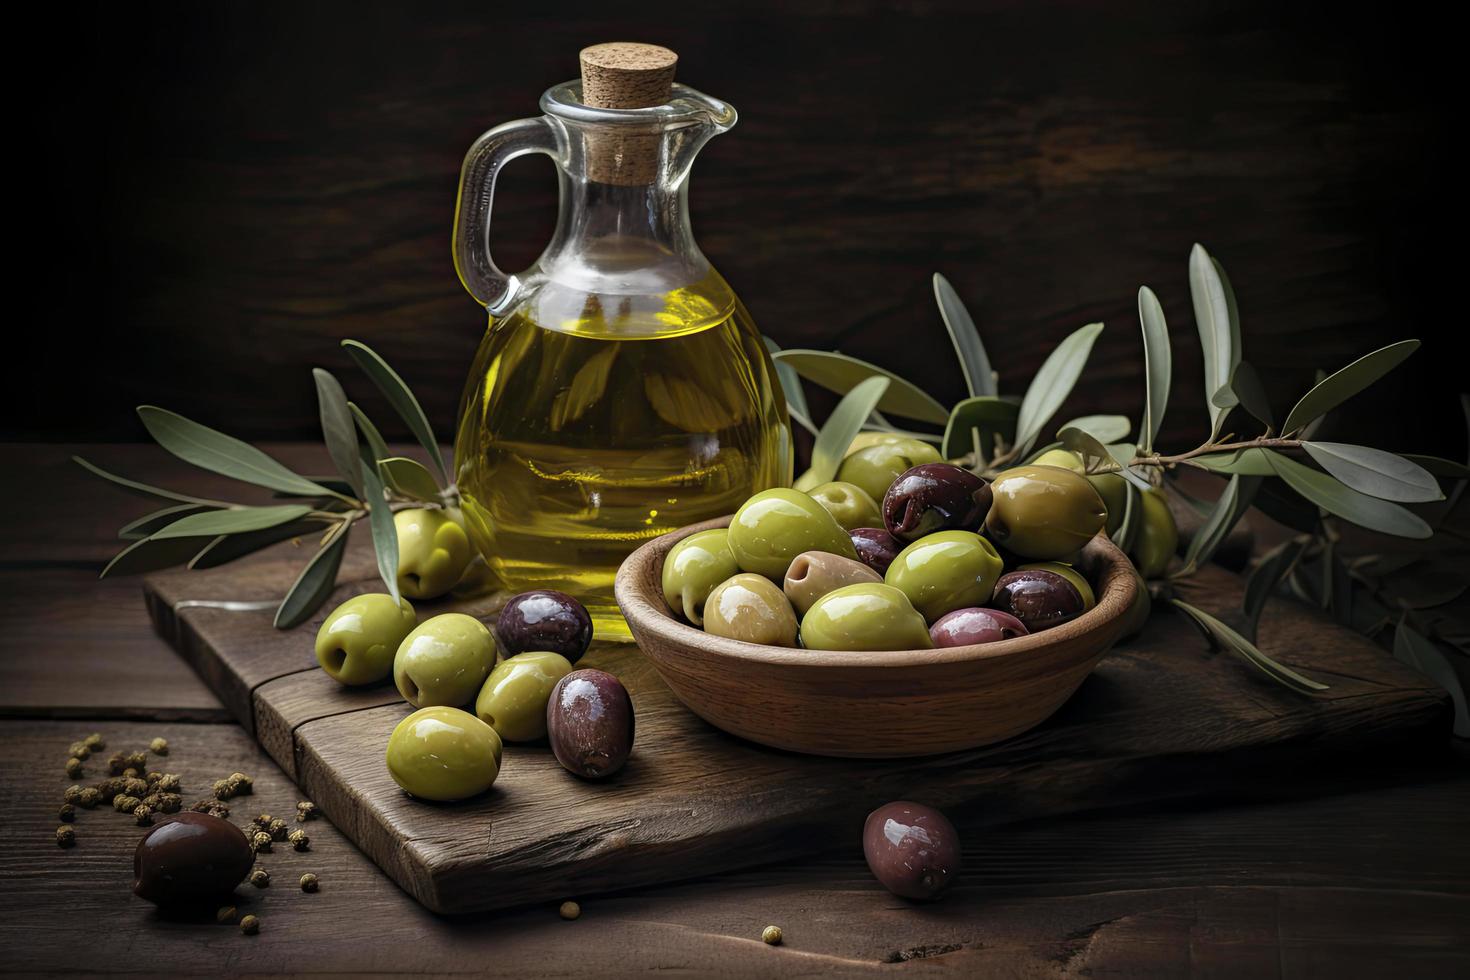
(1039, 598)
(935, 497)
(912, 849)
(589, 720)
(544, 620)
(875, 547)
(975, 625)
(190, 857)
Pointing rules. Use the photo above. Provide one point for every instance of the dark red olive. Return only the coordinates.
(912, 849)
(190, 857)
(1038, 598)
(544, 620)
(935, 497)
(589, 720)
(975, 625)
(876, 547)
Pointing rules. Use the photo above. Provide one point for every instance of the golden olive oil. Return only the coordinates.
(593, 422)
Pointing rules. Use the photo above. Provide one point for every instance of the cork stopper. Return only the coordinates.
(625, 75)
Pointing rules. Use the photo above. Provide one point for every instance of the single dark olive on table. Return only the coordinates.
(912, 849)
(190, 857)
(975, 625)
(875, 547)
(589, 721)
(1039, 597)
(544, 619)
(935, 497)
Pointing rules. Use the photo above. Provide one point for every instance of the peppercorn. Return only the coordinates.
(219, 810)
(131, 773)
(143, 815)
(73, 794)
(202, 806)
(109, 788)
(223, 789)
(89, 798)
(116, 763)
(152, 776)
(94, 742)
(299, 840)
(277, 829)
(158, 746)
(65, 836)
(170, 802)
(310, 882)
(168, 782)
(771, 935)
(226, 914)
(260, 878)
(250, 925)
(138, 761)
(80, 749)
(262, 821)
(305, 810)
(569, 910)
(135, 787)
(243, 784)
(260, 841)
(67, 813)
(125, 804)
(74, 767)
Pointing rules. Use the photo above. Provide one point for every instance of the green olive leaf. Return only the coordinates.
(152, 554)
(227, 547)
(1087, 446)
(791, 387)
(1414, 650)
(1439, 467)
(215, 522)
(1158, 365)
(211, 450)
(1053, 383)
(409, 478)
(974, 362)
(1219, 337)
(1335, 389)
(1247, 386)
(338, 429)
(1375, 472)
(983, 414)
(1232, 505)
(316, 581)
(1103, 428)
(1123, 454)
(141, 489)
(385, 532)
(400, 396)
(842, 425)
(840, 373)
(368, 433)
(1224, 637)
(1246, 462)
(1347, 503)
(148, 523)
(1266, 576)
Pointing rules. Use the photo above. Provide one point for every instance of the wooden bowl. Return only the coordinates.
(870, 704)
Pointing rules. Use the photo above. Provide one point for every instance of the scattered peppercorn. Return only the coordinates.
(66, 836)
(223, 789)
(135, 787)
(170, 802)
(278, 829)
(310, 882)
(263, 820)
(89, 798)
(299, 840)
(73, 794)
(243, 784)
(226, 915)
(260, 841)
(569, 910)
(250, 925)
(152, 776)
(74, 767)
(116, 763)
(305, 810)
(203, 806)
(219, 810)
(260, 878)
(143, 815)
(131, 773)
(158, 746)
(138, 760)
(771, 935)
(125, 804)
(94, 742)
(67, 813)
(80, 749)
(168, 782)
(109, 788)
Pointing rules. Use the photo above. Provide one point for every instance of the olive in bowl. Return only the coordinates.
(848, 504)
(750, 607)
(815, 573)
(867, 616)
(963, 627)
(876, 467)
(935, 497)
(589, 719)
(1043, 595)
(945, 571)
(444, 661)
(1045, 513)
(774, 526)
(444, 754)
(544, 619)
(875, 547)
(357, 642)
(912, 849)
(693, 568)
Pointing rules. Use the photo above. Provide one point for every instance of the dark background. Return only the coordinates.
(225, 190)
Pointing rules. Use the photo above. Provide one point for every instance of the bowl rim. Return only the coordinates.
(1115, 594)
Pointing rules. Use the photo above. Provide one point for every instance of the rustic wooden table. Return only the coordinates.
(1358, 868)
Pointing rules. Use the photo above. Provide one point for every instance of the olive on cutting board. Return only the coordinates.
(443, 754)
(444, 661)
(513, 700)
(935, 497)
(693, 568)
(190, 857)
(589, 720)
(912, 849)
(357, 642)
(544, 619)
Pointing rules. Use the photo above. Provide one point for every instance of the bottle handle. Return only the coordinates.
(494, 149)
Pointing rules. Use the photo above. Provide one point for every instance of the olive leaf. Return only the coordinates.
(1158, 366)
(215, 522)
(400, 396)
(212, 450)
(1103, 428)
(1246, 462)
(1375, 472)
(1053, 383)
(368, 433)
(317, 579)
(974, 362)
(1447, 468)
(1224, 637)
(841, 426)
(143, 489)
(1414, 650)
(1233, 503)
(1087, 446)
(841, 373)
(878, 422)
(338, 429)
(148, 523)
(1132, 521)
(987, 415)
(1335, 389)
(1219, 335)
(1266, 576)
(410, 478)
(790, 383)
(1347, 503)
(1246, 384)
(385, 532)
(1287, 508)
(152, 554)
(1123, 454)
(227, 547)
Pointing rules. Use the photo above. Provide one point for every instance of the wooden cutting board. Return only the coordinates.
(1160, 717)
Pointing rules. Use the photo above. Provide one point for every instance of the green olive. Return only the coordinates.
(692, 569)
(749, 607)
(816, 573)
(848, 503)
(945, 571)
(433, 552)
(775, 526)
(1111, 487)
(1158, 536)
(356, 643)
(513, 700)
(444, 661)
(442, 753)
(1044, 512)
(866, 616)
(875, 467)
(1068, 572)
